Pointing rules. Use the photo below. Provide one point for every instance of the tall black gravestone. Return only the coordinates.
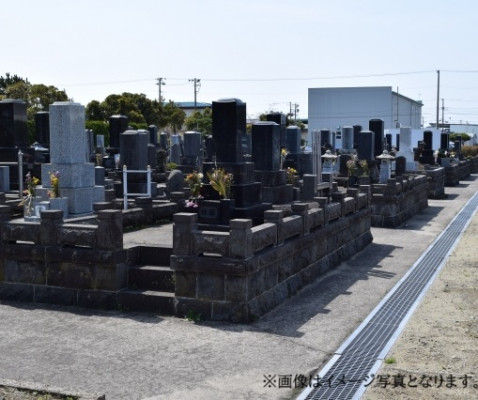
(14, 137)
(357, 129)
(377, 126)
(365, 145)
(229, 136)
(426, 156)
(266, 155)
(281, 120)
(118, 125)
(42, 128)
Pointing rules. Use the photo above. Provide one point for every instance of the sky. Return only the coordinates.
(266, 53)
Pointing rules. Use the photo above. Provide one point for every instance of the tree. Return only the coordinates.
(19, 90)
(94, 111)
(9, 80)
(201, 122)
(172, 116)
(41, 96)
(464, 137)
(137, 107)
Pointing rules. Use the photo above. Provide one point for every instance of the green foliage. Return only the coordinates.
(390, 360)
(172, 117)
(193, 316)
(200, 121)
(137, 107)
(170, 166)
(455, 136)
(94, 111)
(9, 80)
(137, 126)
(99, 128)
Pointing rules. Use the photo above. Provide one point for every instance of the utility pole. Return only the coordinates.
(197, 85)
(442, 112)
(438, 97)
(294, 106)
(160, 83)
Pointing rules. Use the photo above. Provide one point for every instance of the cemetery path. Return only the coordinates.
(141, 356)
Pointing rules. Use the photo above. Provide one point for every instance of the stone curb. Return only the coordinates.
(46, 389)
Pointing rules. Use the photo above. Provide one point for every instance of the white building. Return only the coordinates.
(333, 108)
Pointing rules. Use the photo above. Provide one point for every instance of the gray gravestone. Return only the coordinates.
(347, 139)
(68, 147)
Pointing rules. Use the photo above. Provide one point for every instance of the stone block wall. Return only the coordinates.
(241, 274)
(398, 200)
(436, 181)
(60, 263)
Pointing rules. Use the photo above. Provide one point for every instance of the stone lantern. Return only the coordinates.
(385, 166)
(328, 166)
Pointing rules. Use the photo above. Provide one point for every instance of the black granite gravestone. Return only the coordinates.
(153, 134)
(42, 128)
(266, 146)
(365, 145)
(444, 141)
(13, 124)
(229, 129)
(118, 125)
(426, 156)
(377, 127)
(281, 120)
(357, 129)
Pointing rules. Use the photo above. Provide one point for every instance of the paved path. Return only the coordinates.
(137, 356)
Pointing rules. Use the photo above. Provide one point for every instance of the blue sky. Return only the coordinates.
(266, 53)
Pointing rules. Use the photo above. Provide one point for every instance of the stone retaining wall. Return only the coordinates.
(241, 274)
(398, 200)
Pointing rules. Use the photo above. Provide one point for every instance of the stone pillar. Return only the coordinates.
(276, 217)
(110, 230)
(183, 230)
(50, 223)
(302, 209)
(240, 242)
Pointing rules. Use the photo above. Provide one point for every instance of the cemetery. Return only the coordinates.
(253, 217)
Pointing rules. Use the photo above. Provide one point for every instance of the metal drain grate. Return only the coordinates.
(361, 353)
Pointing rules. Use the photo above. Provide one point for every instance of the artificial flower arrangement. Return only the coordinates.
(55, 184)
(221, 182)
(29, 193)
(194, 182)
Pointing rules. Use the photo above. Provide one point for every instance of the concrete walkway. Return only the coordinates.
(138, 356)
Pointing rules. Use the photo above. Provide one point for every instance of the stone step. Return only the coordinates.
(149, 255)
(151, 277)
(146, 300)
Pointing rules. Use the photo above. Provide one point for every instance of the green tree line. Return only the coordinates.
(140, 110)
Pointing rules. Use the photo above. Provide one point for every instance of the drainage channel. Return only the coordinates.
(360, 356)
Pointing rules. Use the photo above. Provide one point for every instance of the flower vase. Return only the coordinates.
(60, 203)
